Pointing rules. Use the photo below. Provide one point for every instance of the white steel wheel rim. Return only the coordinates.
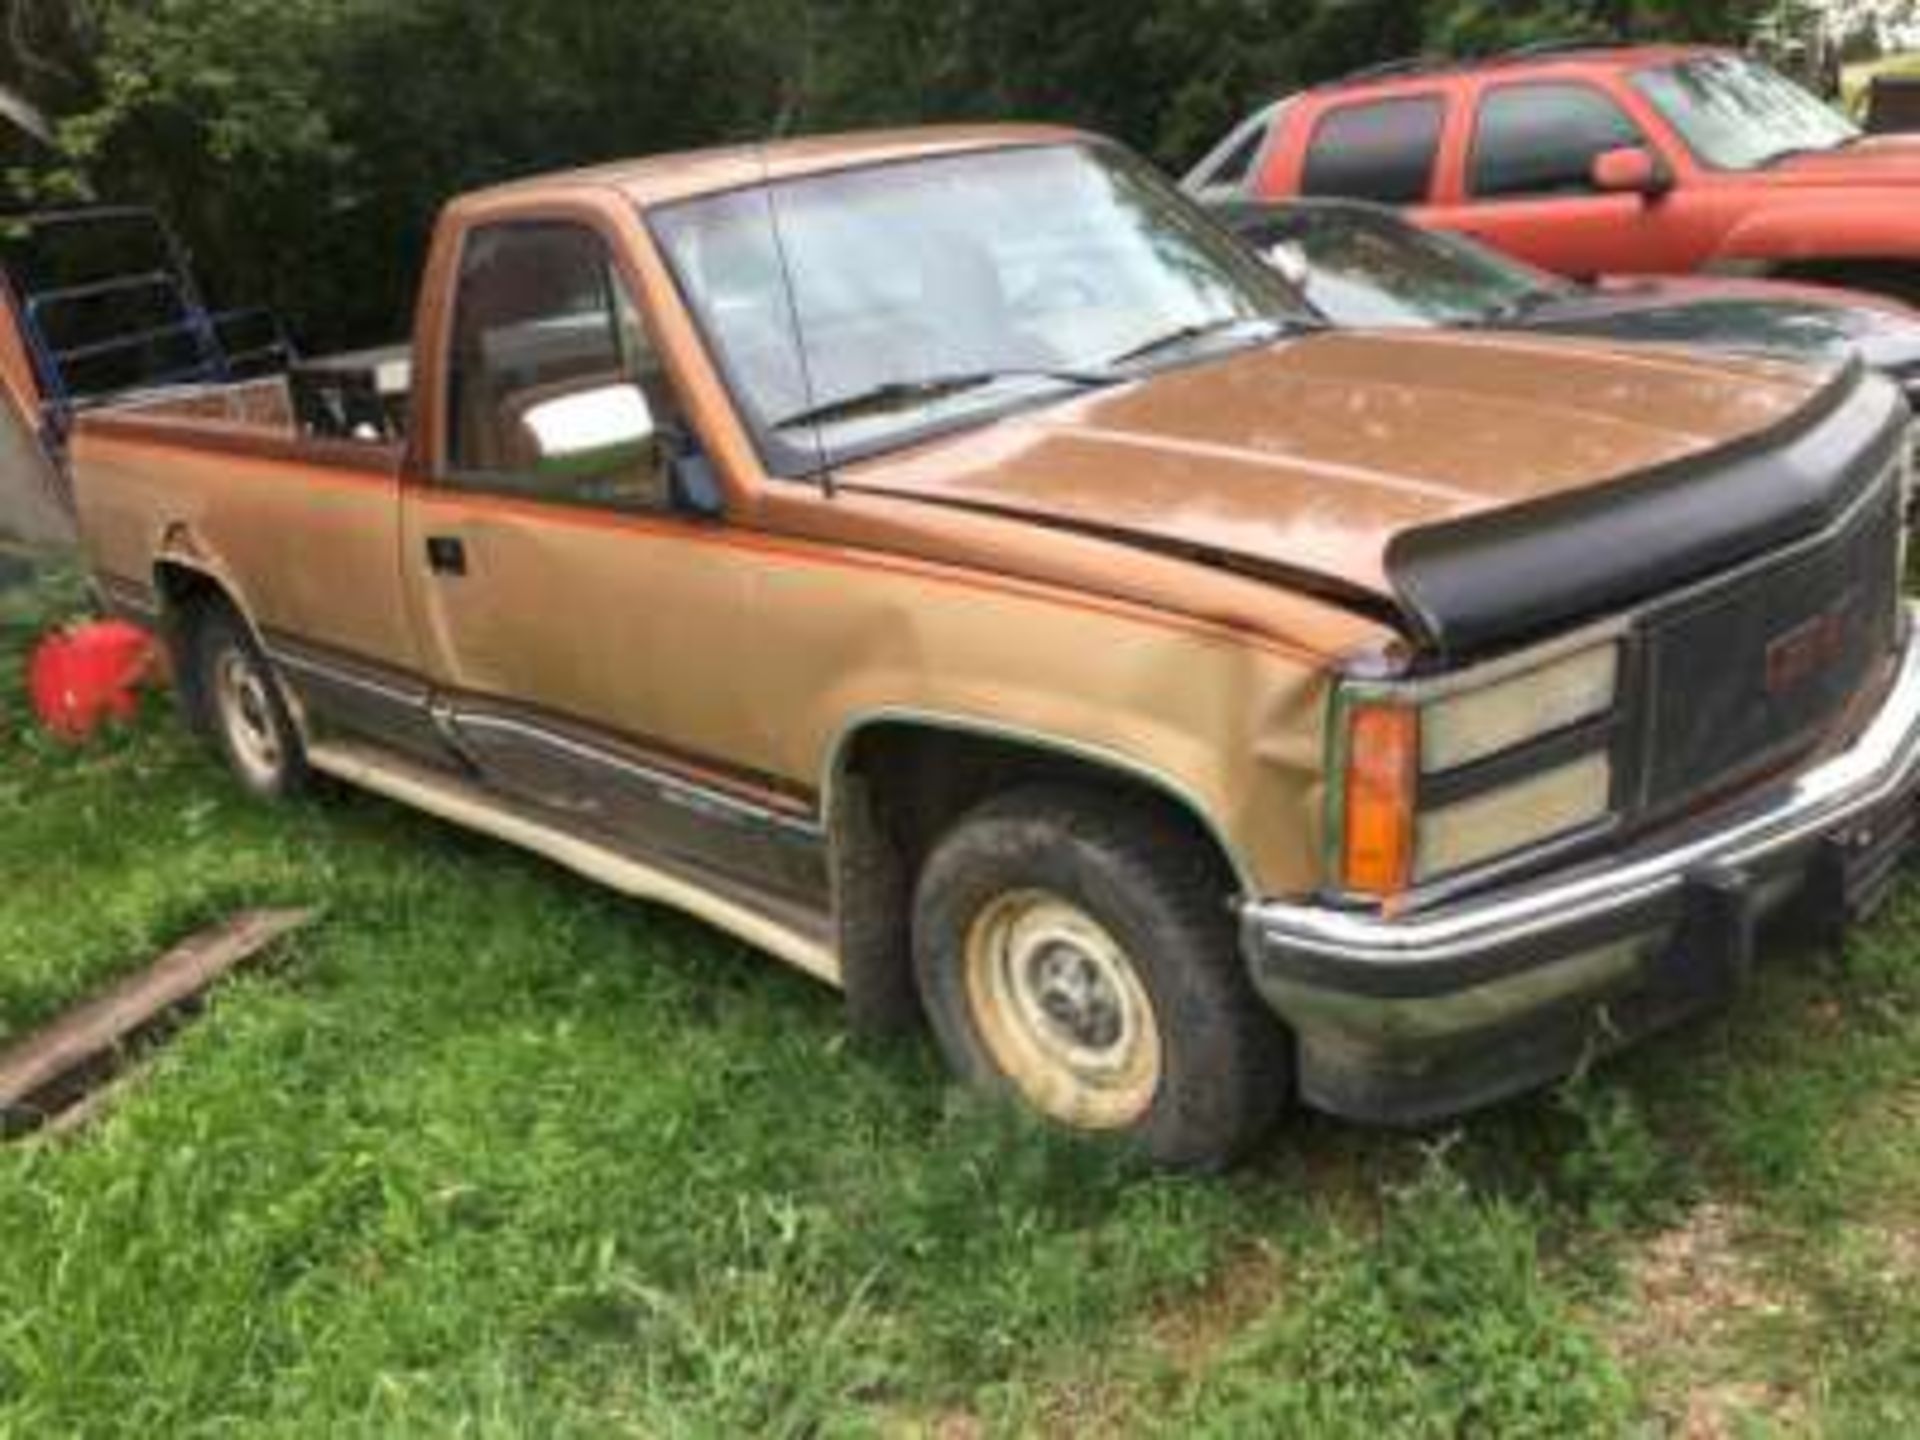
(246, 715)
(1062, 1011)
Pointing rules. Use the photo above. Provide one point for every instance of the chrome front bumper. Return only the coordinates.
(1378, 1000)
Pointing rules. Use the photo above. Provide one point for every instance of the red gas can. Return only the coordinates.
(88, 673)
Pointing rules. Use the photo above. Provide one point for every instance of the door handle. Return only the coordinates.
(446, 555)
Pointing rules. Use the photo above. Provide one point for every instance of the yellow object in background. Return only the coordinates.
(1856, 81)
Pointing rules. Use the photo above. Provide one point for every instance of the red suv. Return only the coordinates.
(1592, 159)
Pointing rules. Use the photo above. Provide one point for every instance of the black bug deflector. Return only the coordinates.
(1477, 584)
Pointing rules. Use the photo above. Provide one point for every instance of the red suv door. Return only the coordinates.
(1525, 183)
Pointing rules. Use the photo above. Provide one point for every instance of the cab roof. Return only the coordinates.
(1550, 56)
(660, 179)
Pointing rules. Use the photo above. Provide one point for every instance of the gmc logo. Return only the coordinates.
(1807, 649)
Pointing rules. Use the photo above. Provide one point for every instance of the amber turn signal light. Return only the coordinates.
(1383, 753)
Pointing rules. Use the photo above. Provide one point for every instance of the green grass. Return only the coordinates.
(490, 1151)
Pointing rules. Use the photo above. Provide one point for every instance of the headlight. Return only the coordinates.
(1463, 728)
(1513, 817)
(1441, 777)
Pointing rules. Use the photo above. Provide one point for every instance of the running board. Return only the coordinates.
(462, 803)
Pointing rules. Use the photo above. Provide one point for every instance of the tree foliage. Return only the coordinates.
(303, 145)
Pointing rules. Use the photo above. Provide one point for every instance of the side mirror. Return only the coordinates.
(591, 433)
(1633, 170)
(1290, 261)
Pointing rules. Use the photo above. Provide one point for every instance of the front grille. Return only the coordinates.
(1748, 672)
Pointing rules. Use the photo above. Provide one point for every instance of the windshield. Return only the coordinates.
(1367, 268)
(940, 292)
(1737, 114)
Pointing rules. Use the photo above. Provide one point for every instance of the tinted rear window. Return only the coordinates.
(1384, 150)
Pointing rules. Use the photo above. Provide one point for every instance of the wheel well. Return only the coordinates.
(182, 588)
(898, 788)
(185, 595)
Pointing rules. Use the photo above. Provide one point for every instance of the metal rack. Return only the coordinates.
(82, 354)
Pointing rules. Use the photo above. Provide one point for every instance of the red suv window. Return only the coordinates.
(1542, 139)
(1381, 150)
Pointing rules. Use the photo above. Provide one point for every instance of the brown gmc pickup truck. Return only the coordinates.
(947, 561)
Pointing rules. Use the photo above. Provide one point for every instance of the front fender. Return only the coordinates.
(1827, 226)
(1230, 729)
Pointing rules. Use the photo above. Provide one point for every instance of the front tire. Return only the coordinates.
(245, 711)
(1075, 951)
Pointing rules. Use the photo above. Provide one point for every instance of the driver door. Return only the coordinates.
(583, 634)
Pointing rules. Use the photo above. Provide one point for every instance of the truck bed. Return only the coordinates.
(305, 526)
(345, 409)
(265, 405)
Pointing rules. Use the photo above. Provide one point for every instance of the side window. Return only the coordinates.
(1543, 139)
(548, 355)
(1384, 151)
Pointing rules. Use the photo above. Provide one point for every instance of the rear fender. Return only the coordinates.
(179, 552)
(182, 564)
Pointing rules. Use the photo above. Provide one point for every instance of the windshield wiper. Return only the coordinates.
(1200, 330)
(908, 394)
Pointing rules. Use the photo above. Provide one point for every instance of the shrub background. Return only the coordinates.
(303, 145)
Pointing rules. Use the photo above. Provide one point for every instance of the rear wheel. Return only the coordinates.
(244, 709)
(1075, 951)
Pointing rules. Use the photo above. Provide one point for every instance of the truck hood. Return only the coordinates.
(1346, 460)
(1876, 160)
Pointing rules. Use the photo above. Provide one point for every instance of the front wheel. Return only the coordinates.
(1075, 951)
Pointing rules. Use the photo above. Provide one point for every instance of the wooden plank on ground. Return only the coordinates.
(97, 1029)
(76, 1117)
